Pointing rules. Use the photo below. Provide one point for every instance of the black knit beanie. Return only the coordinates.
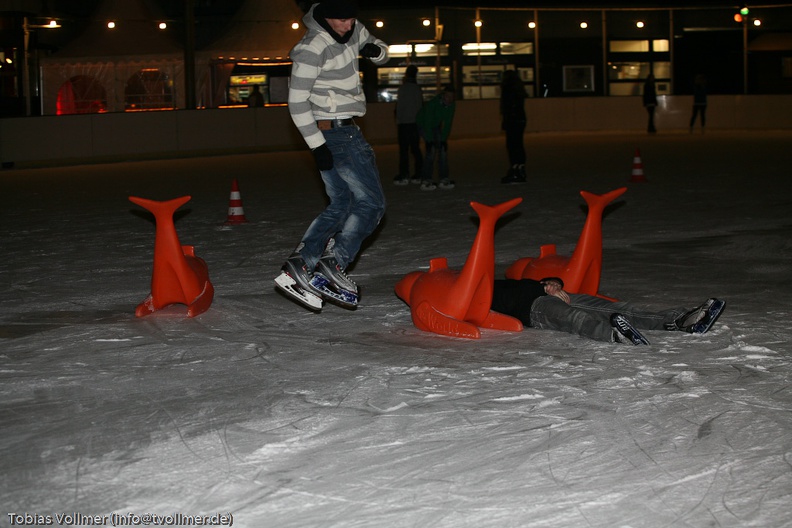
(338, 9)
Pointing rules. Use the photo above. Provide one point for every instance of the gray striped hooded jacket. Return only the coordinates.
(325, 83)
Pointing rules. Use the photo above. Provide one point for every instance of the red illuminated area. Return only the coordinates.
(147, 90)
(81, 95)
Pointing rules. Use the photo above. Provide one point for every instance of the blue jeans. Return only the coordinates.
(437, 149)
(357, 202)
(589, 316)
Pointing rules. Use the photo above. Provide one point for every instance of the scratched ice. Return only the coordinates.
(289, 419)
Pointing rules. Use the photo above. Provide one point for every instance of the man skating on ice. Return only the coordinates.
(545, 304)
(325, 95)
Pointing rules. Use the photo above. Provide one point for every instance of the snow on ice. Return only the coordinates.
(279, 417)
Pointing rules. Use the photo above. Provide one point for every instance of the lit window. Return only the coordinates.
(516, 48)
(399, 50)
(621, 71)
(430, 50)
(421, 50)
(485, 48)
(662, 70)
(629, 46)
(660, 45)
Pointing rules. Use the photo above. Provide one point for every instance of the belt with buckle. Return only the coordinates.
(327, 124)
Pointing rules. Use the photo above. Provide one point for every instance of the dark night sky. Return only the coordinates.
(221, 8)
(212, 15)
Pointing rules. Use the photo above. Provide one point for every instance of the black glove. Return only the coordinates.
(323, 157)
(370, 51)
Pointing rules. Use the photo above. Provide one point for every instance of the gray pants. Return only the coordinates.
(589, 316)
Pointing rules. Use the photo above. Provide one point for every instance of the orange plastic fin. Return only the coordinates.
(428, 319)
(499, 321)
(581, 270)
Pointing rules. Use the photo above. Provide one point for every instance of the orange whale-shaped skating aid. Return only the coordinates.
(581, 271)
(179, 276)
(457, 303)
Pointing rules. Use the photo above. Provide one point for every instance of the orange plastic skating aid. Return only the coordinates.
(457, 303)
(179, 276)
(581, 271)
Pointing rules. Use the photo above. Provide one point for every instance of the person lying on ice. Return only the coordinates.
(545, 304)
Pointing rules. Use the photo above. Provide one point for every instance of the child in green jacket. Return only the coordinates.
(434, 122)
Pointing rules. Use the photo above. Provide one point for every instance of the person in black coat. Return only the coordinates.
(699, 102)
(650, 101)
(545, 304)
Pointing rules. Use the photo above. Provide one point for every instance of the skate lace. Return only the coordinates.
(344, 275)
(336, 273)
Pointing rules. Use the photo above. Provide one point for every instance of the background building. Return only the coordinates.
(96, 56)
(574, 52)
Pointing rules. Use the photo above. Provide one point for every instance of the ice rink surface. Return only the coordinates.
(274, 417)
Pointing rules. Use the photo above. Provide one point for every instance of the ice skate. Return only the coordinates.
(447, 184)
(331, 281)
(711, 315)
(625, 332)
(295, 281)
(514, 175)
(699, 320)
(428, 185)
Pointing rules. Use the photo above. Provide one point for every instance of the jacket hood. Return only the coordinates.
(319, 24)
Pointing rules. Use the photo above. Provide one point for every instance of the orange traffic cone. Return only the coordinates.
(236, 214)
(637, 168)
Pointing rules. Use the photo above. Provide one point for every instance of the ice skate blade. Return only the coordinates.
(627, 330)
(289, 286)
(332, 293)
(713, 312)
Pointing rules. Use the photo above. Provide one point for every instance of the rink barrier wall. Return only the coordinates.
(54, 140)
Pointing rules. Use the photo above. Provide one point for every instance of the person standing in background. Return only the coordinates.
(699, 101)
(255, 99)
(650, 101)
(434, 123)
(409, 100)
(513, 120)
